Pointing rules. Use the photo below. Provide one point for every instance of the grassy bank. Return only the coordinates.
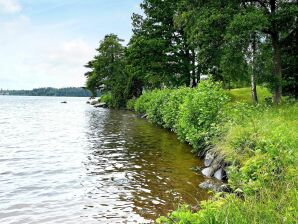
(259, 142)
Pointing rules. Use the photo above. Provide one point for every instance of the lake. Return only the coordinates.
(73, 163)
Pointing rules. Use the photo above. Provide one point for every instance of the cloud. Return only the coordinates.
(10, 6)
(48, 42)
(62, 64)
(71, 52)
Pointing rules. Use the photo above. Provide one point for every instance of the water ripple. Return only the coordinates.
(71, 163)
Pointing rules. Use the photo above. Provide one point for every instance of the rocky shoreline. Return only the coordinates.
(215, 169)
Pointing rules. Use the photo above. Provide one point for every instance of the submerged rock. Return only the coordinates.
(63, 102)
(88, 102)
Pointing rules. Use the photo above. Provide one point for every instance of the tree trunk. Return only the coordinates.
(276, 69)
(254, 88)
(253, 75)
(276, 57)
(193, 63)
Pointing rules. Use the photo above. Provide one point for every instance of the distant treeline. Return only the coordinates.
(69, 91)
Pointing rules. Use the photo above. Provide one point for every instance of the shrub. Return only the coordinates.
(106, 98)
(155, 105)
(190, 112)
(130, 104)
(199, 113)
(142, 103)
(171, 106)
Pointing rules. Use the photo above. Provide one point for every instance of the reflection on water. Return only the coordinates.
(73, 163)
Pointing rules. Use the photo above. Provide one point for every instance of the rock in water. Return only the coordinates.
(63, 102)
(94, 102)
(103, 105)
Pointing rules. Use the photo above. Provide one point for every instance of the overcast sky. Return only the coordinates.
(46, 42)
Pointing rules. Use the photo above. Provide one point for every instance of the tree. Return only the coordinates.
(206, 24)
(108, 70)
(158, 51)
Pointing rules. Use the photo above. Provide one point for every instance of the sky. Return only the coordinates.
(45, 43)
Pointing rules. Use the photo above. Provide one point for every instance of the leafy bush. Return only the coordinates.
(106, 98)
(142, 103)
(130, 105)
(171, 106)
(190, 112)
(199, 112)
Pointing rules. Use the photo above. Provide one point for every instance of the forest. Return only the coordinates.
(174, 43)
(69, 91)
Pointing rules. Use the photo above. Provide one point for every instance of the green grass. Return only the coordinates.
(244, 94)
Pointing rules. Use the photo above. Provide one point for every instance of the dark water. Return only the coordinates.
(72, 163)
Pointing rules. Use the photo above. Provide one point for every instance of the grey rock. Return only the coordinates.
(208, 172)
(94, 102)
(208, 159)
(103, 105)
(63, 102)
(88, 102)
(214, 186)
(144, 116)
(220, 174)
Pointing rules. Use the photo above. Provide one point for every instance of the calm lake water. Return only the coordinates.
(72, 163)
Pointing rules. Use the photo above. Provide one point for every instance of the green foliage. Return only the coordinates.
(170, 108)
(108, 71)
(158, 52)
(106, 98)
(142, 103)
(261, 143)
(130, 105)
(199, 113)
(191, 113)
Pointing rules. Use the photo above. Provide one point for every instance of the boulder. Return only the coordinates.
(88, 102)
(214, 186)
(209, 171)
(220, 174)
(103, 105)
(94, 102)
(209, 159)
(63, 102)
(144, 116)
